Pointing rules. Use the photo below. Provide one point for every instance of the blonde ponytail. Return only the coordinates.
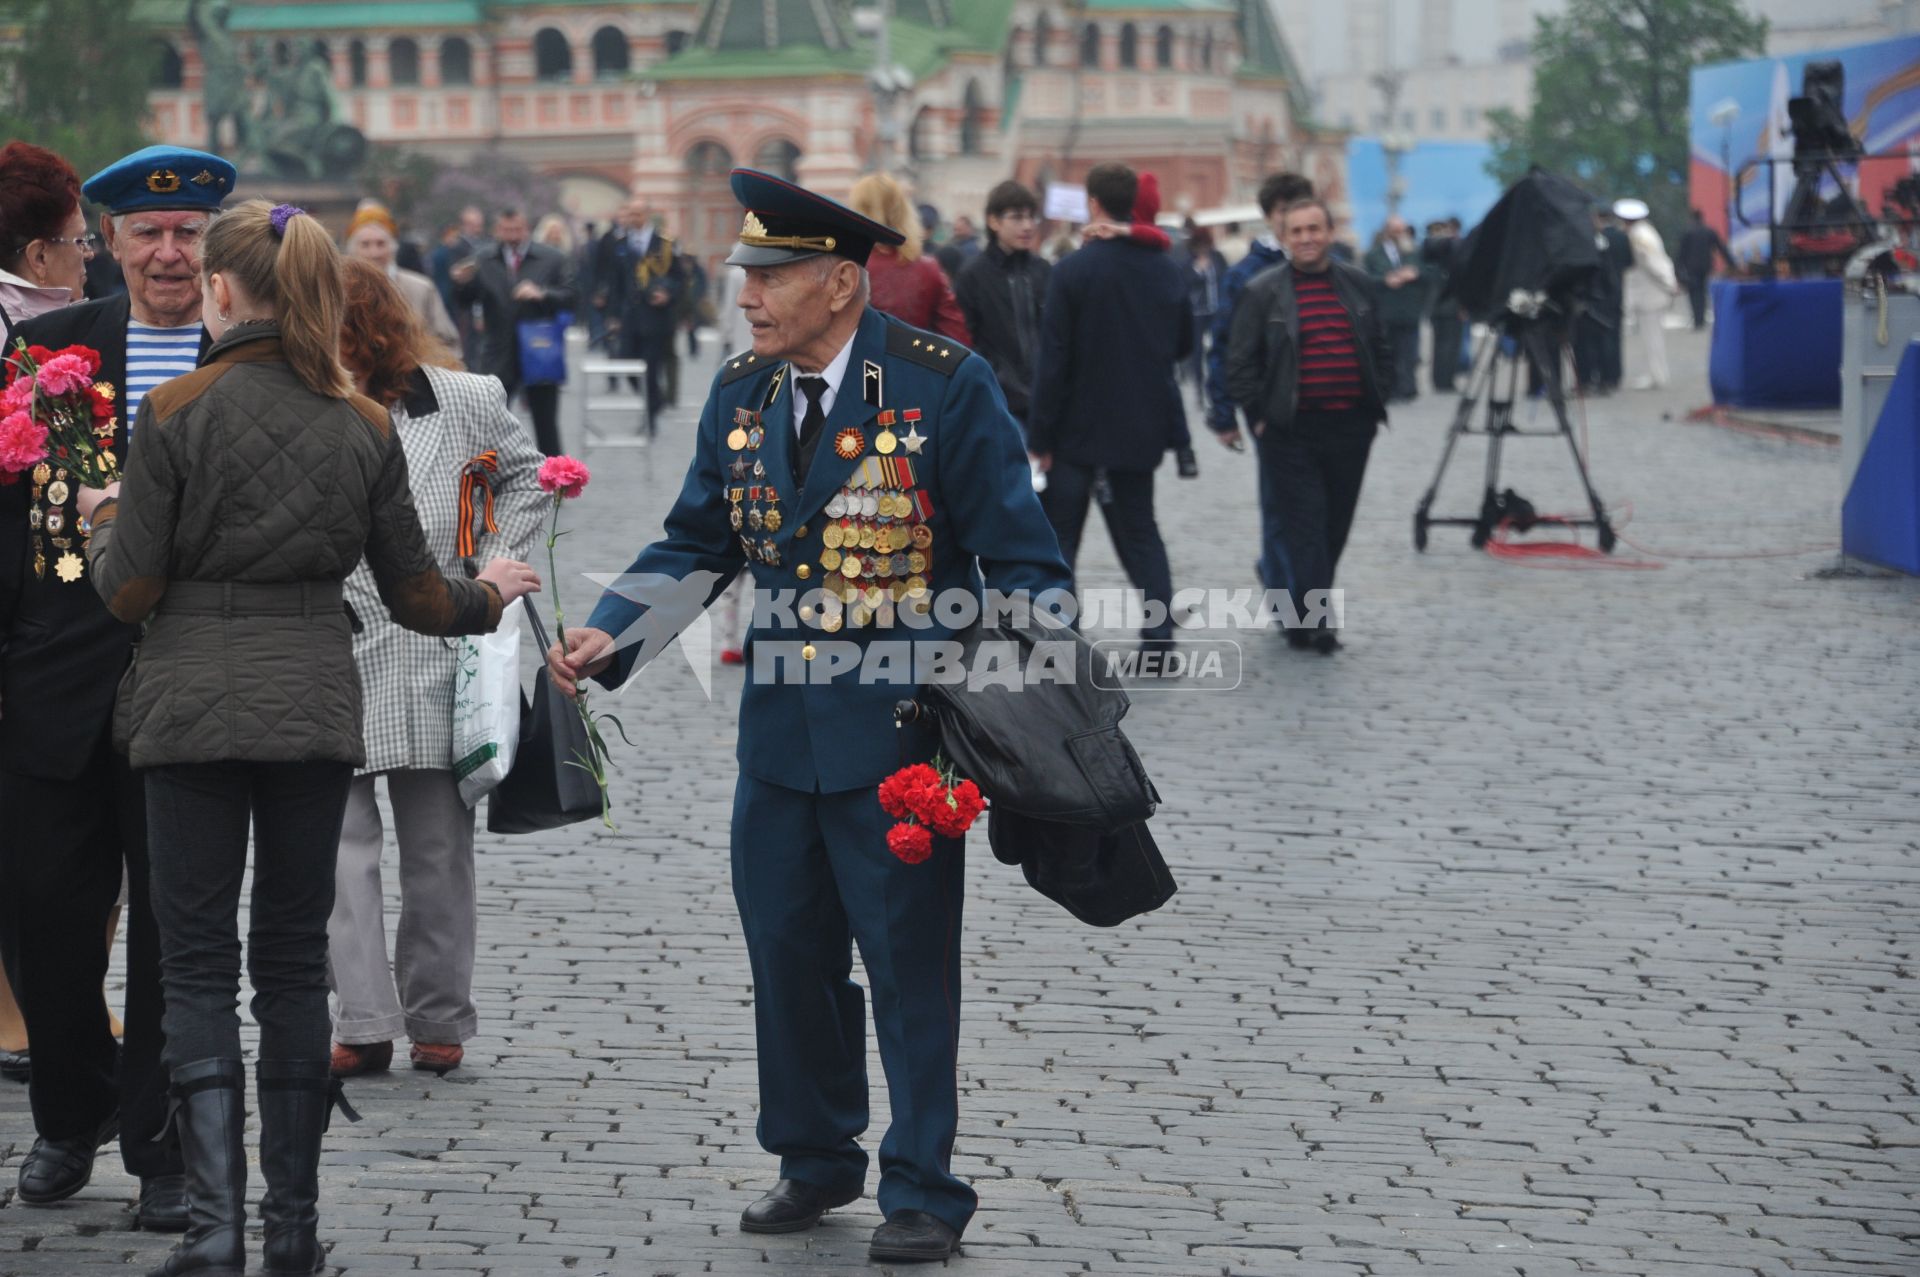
(295, 271)
(881, 198)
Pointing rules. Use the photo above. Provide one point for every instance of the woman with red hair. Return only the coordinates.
(447, 421)
(44, 244)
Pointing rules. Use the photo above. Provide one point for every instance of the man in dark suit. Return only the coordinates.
(642, 287)
(513, 280)
(1596, 338)
(1446, 318)
(1115, 324)
(75, 812)
(1404, 291)
(1694, 263)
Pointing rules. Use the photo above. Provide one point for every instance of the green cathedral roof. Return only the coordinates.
(770, 26)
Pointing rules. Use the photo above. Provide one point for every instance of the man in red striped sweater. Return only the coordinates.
(1305, 362)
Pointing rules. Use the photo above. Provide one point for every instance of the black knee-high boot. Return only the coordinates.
(207, 1107)
(296, 1103)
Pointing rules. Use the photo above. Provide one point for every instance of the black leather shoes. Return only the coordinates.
(793, 1205)
(15, 1066)
(57, 1169)
(163, 1204)
(911, 1235)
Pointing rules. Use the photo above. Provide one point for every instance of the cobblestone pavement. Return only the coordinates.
(1564, 923)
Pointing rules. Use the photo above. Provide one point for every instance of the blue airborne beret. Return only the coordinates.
(162, 177)
(785, 223)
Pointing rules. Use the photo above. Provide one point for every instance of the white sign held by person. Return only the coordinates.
(1066, 203)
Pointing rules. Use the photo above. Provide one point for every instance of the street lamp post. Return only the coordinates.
(1394, 145)
(889, 83)
(1724, 113)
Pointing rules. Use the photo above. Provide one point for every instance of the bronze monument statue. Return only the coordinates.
(297, 129)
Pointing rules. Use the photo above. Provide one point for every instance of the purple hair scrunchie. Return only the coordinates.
(281, 215)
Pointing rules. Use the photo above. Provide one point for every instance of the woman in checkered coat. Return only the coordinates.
(445, 419)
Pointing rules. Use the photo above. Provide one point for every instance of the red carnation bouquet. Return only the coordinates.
(53, 410)
(928, 799)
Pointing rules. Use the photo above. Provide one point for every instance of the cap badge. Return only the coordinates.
(203, 177)
(753, 233)
(163, 181)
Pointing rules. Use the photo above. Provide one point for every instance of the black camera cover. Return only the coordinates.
(1539, 238)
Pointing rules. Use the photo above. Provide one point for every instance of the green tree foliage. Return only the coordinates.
(1610, 96)
(76, 80)
(403, 180)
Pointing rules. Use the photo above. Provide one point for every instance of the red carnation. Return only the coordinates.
(86, 355)
(912, 843)
(99, 403)
(39, 354)
(899, 793)
(963, 806)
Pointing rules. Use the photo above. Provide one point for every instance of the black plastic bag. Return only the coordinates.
(547, 788)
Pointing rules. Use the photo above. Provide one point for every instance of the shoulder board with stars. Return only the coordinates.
(744, 366)
(926, 349)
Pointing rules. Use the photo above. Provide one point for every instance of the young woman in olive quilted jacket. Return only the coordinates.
(259, 481)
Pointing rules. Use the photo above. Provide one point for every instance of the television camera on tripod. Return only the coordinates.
(1817, 232)
(1523, 272)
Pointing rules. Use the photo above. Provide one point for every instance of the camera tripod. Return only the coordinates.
(1495, 378)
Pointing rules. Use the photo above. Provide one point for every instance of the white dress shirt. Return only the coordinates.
(835, 373)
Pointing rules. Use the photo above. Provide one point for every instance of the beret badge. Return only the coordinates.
(163, 181)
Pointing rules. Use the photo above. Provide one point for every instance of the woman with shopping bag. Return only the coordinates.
(472, 468)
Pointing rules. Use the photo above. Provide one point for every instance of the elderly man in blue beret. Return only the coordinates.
(75, 814)
(868, 472)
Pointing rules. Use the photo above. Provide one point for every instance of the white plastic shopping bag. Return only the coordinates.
(486, 707)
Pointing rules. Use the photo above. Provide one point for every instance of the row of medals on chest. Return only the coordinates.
(879, 544)
(52, 485)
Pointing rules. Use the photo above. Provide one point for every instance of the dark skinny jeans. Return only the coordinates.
(197, 820)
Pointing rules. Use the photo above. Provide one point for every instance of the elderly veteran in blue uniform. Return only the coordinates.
(868, 468)
(75, 812)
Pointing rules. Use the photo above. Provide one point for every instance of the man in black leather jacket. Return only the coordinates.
(1305, 362)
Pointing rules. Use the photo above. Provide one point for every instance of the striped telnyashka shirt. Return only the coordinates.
(155, 355)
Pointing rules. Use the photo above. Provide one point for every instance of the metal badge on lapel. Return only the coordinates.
(849, 443)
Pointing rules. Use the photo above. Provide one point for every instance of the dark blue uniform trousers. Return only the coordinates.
(812, 875)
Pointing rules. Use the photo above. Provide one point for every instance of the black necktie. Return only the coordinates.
(811, 425)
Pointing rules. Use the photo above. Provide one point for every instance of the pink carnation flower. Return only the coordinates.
(23, 442)
(563, 475)
(16, 396)
(64, 374)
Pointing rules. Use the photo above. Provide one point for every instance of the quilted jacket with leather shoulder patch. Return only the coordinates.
(247, 502)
